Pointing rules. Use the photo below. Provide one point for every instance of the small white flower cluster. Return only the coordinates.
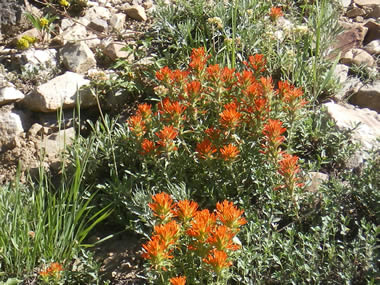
(216, 21)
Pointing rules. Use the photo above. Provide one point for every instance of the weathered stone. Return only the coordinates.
(352, 37)
(341, 72)
(136, 12)
(367, 2)
(349, 87)
(54, 144)
(40, 60)
(78, 57)
(66, 23)
(147, 4)
(98, 25)
(358, 57)
(117, 21)
(113, 51)
(375, 12)
(373, 32)
(345, 3)
(61, 91)
(10, 94)
(12, 123)
(71, 34)
(315, 180)
(367, 123)
(11, 15)
(355, 11)
(368, 97)
(97, 12)
(373, 47)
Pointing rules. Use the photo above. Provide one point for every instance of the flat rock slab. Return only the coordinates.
(367, 2)
(367, 123)
(60, 92)
(10, 94)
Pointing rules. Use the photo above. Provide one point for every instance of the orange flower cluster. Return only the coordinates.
(52, 271)
(209, 235)
(212, 111)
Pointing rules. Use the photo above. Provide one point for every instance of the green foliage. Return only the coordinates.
(41, 224)
(295, 45)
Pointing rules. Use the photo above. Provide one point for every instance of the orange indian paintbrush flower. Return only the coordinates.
(201, 225)
(162, 205)
(230, 117)
(230, 215)
(221, 238)
(206, 149)
(218, 260)
(54, 270)
(179, 280)
(137, 125)
(185, 210)
(156, 251)
(166, 136)
(148, 147)
(229, 152)
(168, 232)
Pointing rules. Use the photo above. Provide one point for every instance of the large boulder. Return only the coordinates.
(60, 92)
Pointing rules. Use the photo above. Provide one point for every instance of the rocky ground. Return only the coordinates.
(36, 82)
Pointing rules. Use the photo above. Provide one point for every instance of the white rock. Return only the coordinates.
(12, 123)
(117, 21)
(71, 34)
(345, 3)
(39, 59)
(136, 12)
(61, 91)
(349, 87)
(66, 23)
(97, 12)
(367, 2)
(78, 57)
(341, 72)
(10, 94)
(98, 25)
(348, 117)
(373, 47)
(358, 57)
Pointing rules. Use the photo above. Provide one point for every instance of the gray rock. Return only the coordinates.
(349, 87)
(10, 94)
(117, 21)
(136, 12)
(98, 25)
(12, 123)
(61, 91)
(373, 47)
(54, 144)
(365, 122)
(358, 57)
(368, 97)
(375, 12)
(78, 57)
(11, 15)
